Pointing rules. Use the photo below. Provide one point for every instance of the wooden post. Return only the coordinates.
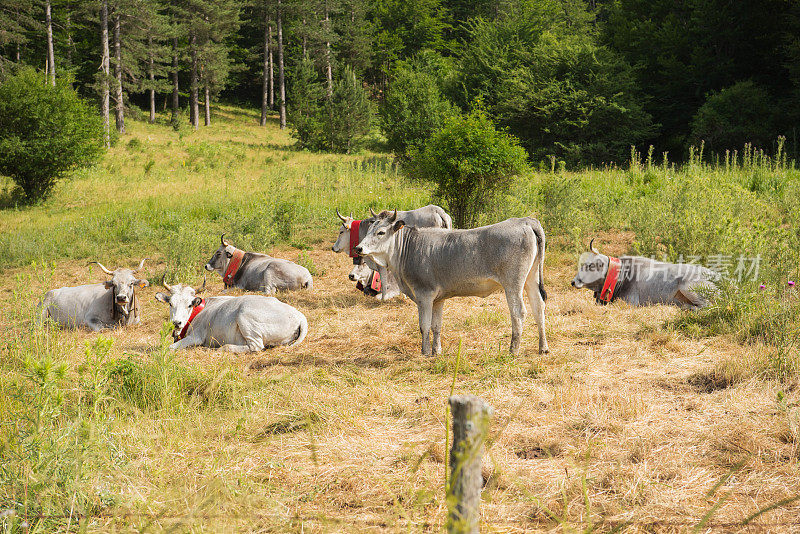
(470, 426)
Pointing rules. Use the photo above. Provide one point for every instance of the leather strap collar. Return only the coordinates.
(195, 311)
(354, 226)
(612, 277)
(233, 267)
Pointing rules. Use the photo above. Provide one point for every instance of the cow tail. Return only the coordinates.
(539, 260)
(302, 330)
(447, 222)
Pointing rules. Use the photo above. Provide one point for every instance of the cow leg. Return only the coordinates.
(425, 309)
(254, 342)
(188, 341)
(516, 308)
(537, 306)
(436, 326)
(386, 292)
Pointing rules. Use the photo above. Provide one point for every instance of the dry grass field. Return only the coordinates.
(627, 425)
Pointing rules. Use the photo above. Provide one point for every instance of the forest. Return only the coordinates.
(580, 81)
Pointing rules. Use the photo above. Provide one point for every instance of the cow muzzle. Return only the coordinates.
(358, 250)
(209, 267)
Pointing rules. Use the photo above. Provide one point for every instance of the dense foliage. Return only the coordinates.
(45, 132)
(471, 163)
(576, 80)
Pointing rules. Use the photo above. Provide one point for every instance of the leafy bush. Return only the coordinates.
(470, 162)
(45, 132)
(334, 123)
(734, 116)
(414, 107)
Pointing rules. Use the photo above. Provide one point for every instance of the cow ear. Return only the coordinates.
(108, 284)
(162, 297)
(197, 301)
(399, 224)
(142, 283)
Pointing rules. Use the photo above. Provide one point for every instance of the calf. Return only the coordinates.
(252, 271)
(642, 281)
(235, 324)
(96, 306)
(432, 265)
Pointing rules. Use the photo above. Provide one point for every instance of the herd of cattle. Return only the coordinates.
(416, 253)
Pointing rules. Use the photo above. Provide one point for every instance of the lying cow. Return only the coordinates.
(353, 231)
(433, 264)
(641, 281)
(235, 324)
(252, 271)
(96, 306)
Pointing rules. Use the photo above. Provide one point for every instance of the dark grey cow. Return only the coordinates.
(234, 324)
(432, 265)
(430, 216)
(96, 306)
(641, 281)
(257, 272)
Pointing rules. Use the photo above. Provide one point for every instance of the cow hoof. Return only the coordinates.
(544, 351)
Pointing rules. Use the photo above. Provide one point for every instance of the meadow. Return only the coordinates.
(639, 420)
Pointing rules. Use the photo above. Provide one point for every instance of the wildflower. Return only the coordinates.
(762, 286)
(791, 283)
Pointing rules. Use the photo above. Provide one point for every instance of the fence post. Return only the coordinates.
(470, 426)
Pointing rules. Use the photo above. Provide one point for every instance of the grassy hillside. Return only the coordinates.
(649, 417)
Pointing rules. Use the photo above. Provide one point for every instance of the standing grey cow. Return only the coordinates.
(352, 232)
(252, 271)
(96, 306)
(641, 281)
(235, 324)
(432, 265)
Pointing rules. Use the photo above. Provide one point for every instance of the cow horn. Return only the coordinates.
(591, 247)
(222, 240)
(165, 284)
(141, 264)
(101, 266)
(394, 216)
(372, 212)
(202, 288)
(344, 220)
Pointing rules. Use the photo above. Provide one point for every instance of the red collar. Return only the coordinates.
(354, 226)
(195, 311)
(612, 277)
(233, 267)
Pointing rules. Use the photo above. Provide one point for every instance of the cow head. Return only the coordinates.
(123, 282)
(219, 261)
(360, 273)
(181, 299)
(592, 269)
(378, 241)
(343, 239)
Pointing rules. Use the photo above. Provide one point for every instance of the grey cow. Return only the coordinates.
(430, 216)
(96, 306)
(257, 272)
(235, 324)
(432, 265)
(641, 281)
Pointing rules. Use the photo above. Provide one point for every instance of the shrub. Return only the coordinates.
(414, 107)
(471, 163)
(45, 132)
(334, 123)
(734, 116)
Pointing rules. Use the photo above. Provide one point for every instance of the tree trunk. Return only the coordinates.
(207, 106)
(51, 57)
(120, 108)
(266, 75)
(194, 114)
(105, 67)
(305, 47)
(68, 28)
(271, 73)
(151, 74)
(19, 55)
(281, 77)
(176, 105)
(328, 68)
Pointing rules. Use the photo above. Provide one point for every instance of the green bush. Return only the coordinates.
(45, 132)
(414, 107)
(321, 123)
(739, 114)
(470, 162)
